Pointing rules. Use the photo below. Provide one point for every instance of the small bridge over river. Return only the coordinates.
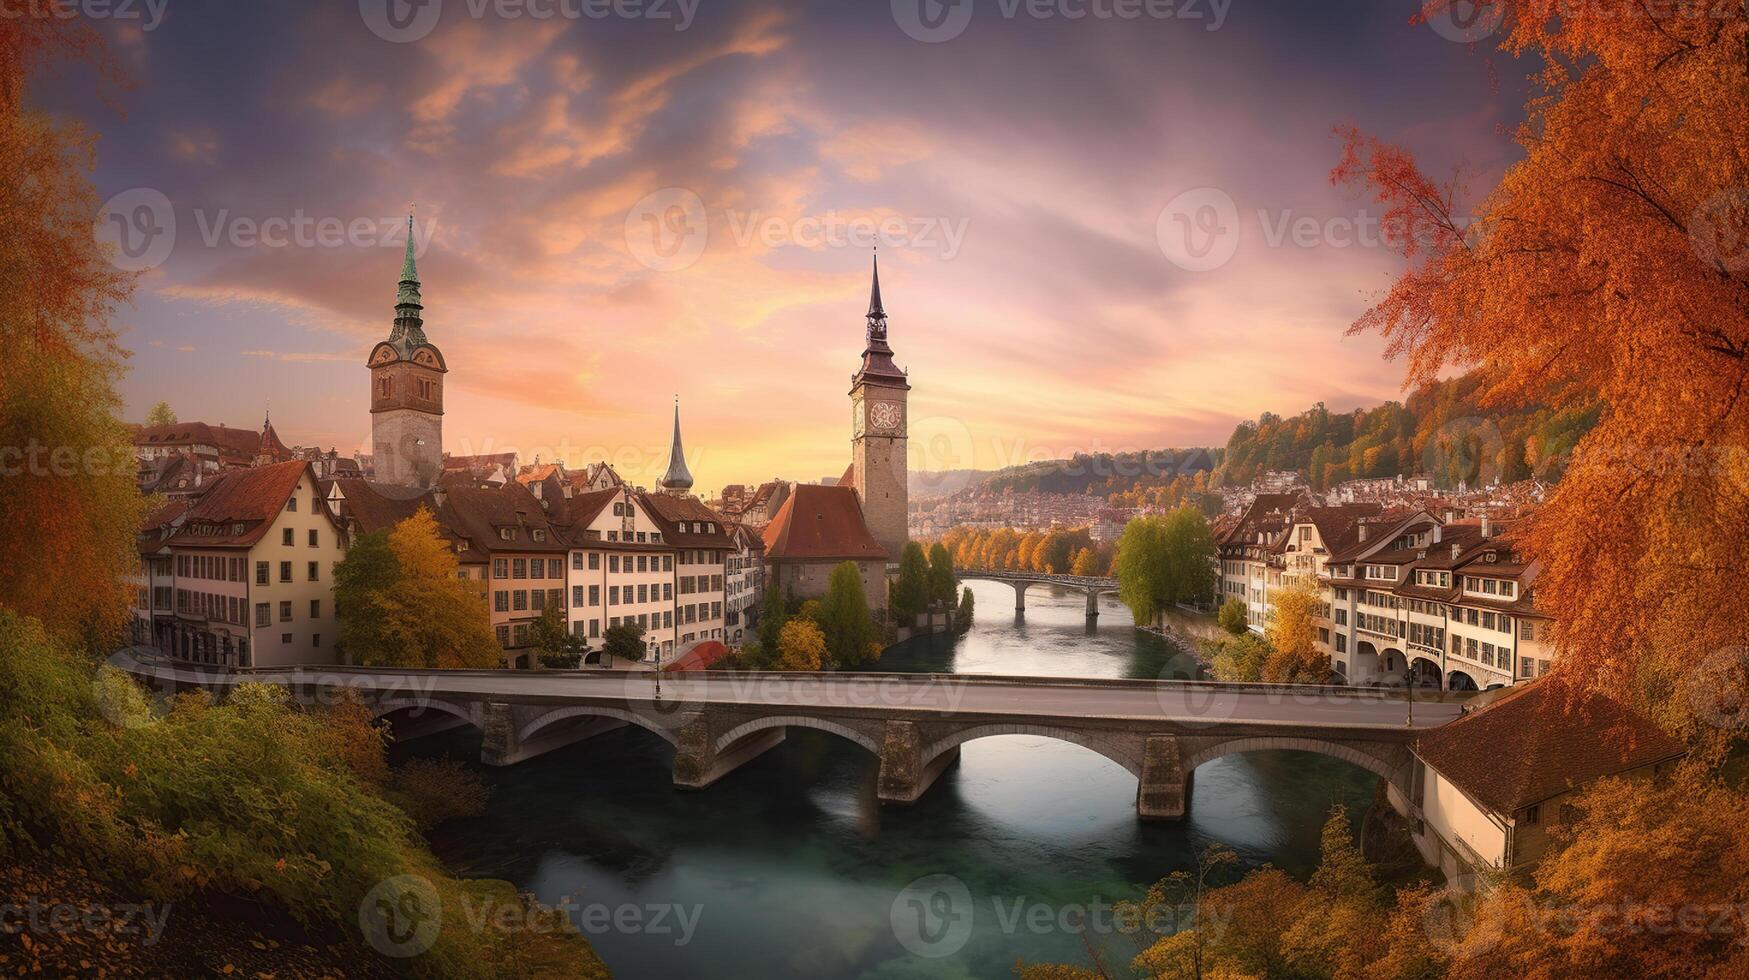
(1093, 586)
(1160, 731)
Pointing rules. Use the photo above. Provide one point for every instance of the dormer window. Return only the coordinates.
(507, 533)
(539, 534)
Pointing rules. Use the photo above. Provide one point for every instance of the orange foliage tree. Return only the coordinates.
(1611, 262)
(66, 465)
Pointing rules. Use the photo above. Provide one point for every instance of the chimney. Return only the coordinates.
(1438, 533)
(1362, 530)
(1487, 526)
(1455, 548)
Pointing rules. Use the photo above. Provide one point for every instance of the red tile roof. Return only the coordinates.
(1537, 742)
(671, 511)
(818, 523)
(251, 498)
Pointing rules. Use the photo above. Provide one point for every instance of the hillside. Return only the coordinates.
(1441, 431)
(1099, 473)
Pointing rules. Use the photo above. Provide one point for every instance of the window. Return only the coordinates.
(613, 595)
(316, 640)
(643, 593)
(503, 636)
(668, 563)
(576, 595)
(519, 568)
(285, 611)
(260, 573)
(594, 560)
(538, 599)
(1532, 814)
(291, 503)
(519, 600)
(507, 533)
(595, 595)
(285, 571)
(285, 536)
(315, 571)
(556, 597)
(1526, 629)
(285, 638)
(501, 601)
(667, 590)
(595, 627)
(577, 561)
(315, 609)
(1341, 643)
(539, 534)
(500, 568)
(520, 630)
(555, 568)
(263, 614)
(643, 563)
(613, 563)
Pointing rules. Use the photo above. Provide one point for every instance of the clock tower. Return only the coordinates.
(406, 391)
(879, 423)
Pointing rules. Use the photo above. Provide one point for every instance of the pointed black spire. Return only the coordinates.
(678, 479)
(877, 357)
(874, 294)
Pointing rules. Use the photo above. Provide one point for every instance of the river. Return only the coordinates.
(788, 867)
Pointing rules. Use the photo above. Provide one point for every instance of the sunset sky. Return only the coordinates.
(1019, 170)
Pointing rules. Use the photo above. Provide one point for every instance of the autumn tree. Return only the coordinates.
(1239, 658)
(1294, 657)
(69, 491)
(1084, 564)
(800, 646)
(401, 605)
(1621, 238)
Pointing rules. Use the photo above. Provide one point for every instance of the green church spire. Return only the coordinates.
(409, 292)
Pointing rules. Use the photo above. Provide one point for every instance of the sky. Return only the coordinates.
(1112, 231)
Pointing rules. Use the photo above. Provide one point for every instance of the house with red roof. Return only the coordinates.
(246, 570)
(817, 529)
(1488, 788)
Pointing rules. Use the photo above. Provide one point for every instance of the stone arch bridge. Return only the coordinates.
(914, 724)
(1092, 586)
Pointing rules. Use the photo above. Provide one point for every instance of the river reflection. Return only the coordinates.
(789, 868)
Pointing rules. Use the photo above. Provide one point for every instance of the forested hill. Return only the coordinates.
(1440, 431)
(1099, 473)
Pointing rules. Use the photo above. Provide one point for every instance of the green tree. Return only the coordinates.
(962, 616)
(851, 638)
(1238, 658)
(161, 414)
(910, 594)
(772, 615)
(1165, 560)
(801, 646)
(408, 608)
(554, 645)
(943, 583)
(1232, 616)
(624, 642)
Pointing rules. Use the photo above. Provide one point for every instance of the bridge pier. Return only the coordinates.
(1092, 604)
(1020, 595)
(1162, 790)
(905, 775)
(698, 763)
(502, 744)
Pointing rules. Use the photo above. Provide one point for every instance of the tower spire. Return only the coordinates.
(874, 294)
(409, 309)
(877, 357)
(678, 479)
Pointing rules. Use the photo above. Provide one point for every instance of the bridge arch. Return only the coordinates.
(1126, 757)
(385, 707)
(1393, 772)
(553, 717)
(741, 731)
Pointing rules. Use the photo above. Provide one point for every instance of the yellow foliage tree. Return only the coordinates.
(401, 604)
(1294, 657)
(1085, 564)
(800, 646)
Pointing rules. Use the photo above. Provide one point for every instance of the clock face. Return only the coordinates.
(884, 415)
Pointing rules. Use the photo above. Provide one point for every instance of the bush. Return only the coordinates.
(1232, 617)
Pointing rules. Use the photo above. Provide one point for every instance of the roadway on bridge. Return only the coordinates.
(1186, 703)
